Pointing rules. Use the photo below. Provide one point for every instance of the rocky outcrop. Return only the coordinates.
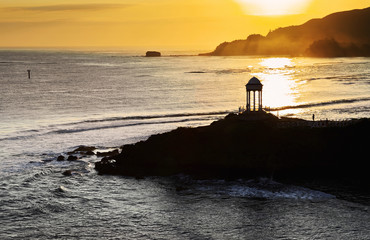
(152, 54)
(248, 145)
(87, 150)
(72, 158)
(108, 154)
(67, 173)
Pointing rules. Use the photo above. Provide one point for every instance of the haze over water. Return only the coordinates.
(109, 99)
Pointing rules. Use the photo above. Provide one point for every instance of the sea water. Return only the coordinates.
(108, 99)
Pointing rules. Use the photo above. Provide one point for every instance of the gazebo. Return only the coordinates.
(254, 85)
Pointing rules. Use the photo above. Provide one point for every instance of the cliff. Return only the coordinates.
(342, 34)
(250, 145)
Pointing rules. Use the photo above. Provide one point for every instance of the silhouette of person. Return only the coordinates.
(313, 117)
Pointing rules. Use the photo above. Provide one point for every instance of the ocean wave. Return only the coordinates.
(15, 138)
(362, 109)
(319, 104)
(38, 175)
(12, 62)
(63, 131)
(351, 77)
(196, 72)
(265, 188)
(223, 71)
(287, 192)
(262, 188)
(228, 71)
(101, 64)
(128, 121)
(148, 117)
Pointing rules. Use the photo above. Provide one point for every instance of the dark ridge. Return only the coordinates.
(342, 34)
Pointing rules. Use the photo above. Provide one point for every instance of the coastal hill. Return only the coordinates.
(251, 145)
(342, 34)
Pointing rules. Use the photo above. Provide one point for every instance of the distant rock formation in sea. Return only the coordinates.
(152, 54)
(251, 145)
(342, 34)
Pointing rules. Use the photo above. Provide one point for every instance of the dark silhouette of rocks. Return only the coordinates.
(250, 145)
(72, 158)
(60, 158)
(346, 34)
(83, 150)
(152, 54)
(108, 154)
(89, 153)
(67, 173)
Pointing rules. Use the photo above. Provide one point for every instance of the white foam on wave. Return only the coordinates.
(291, 192)
(261, 189)
(62, 189)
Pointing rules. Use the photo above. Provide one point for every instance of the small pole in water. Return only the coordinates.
(29, 74)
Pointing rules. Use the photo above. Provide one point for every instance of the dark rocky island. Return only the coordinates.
(253, 144)
(342, 34)
(152, 54)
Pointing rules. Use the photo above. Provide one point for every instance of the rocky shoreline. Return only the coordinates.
(250, 145)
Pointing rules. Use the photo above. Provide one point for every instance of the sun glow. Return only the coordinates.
(162, 25)
(274, 7)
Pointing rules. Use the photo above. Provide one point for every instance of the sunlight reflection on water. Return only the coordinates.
(280, 85)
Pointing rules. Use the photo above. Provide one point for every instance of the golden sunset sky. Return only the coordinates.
(162, 24)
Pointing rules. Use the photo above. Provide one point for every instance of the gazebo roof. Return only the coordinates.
(254, 84)
(254, 81)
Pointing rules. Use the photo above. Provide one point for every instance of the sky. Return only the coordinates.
(152, 24)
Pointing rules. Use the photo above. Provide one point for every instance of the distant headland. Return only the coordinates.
(342, 34)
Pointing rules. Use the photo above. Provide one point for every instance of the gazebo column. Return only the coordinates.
(251, 100)
(254, 100)
(248, 101)
(259, 100)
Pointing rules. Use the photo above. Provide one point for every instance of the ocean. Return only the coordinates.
(108, 99)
